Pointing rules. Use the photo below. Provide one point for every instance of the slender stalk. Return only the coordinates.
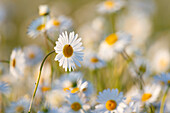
(163, 100)
(48, 38)
(38, 79)
(4, 61)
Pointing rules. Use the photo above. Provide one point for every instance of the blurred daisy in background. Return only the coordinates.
(161, 60)
(37, 27)
(33, 55)
(132, 107)
(4, 87)
(55, 98)
(69, 50)
(142, 65)
(69, 81)
(17, 62)
(110, 6)
(75, 105)
(163, 78)
(108, 101)
(60, 24)
(44, 10)
(115, 42)
(149, 95)
(140, 26)
(92, 61)
(20, 106)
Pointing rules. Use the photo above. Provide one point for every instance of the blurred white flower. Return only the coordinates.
(92, 61)
(163, 78)
(44, 10)
(20, 106)
(109, 101)
(33, 55)
(60, 24)
(69, 50)
(149, 95)
(17, 62)
(110, 6)
(161, 60)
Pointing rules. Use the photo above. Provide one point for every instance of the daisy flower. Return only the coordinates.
(4, 87)
(69, 82)
(17, 62)
(69, 50)
(161, 60)
(149, 95)
(75, 104)
(110, 6)
(21, 106)
(132, 107)
(163, 78)
(44, 10)
(142, 65)
(109, 101)
(33, 55)
(37, 27)
(92, 61)
(59, 24)
(115, 42)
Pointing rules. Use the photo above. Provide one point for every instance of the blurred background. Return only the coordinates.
(16, 16)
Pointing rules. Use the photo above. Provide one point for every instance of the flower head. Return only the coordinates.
(44, 10)
(69, 50)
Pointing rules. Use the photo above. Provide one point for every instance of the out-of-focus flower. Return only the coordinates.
(140, 26)
(37, 27)
(109, 101)
(115, 42)
(75, 104)
(20, 106)
(142, 66)
(55, 98)
(132, 107)
(110, 6)
(150, 94)
(17, 62)
(163, 78)
(59, 24)
(33, 55)
(44, 10)
(161, 60)
(92, 61)
(4, 87)
(69, 49)
(69, 82)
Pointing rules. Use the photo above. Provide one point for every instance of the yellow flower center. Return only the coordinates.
(19, 109)
(56, 23)
(67, 51)
(75, 90)
(94, 60)
(41, 27)
(45, 88)
(146, 96)
(111, 39)
(111, 105)
(31, 55)
(66, 89)
(13, 63)
(76, 106)
(108, 4)
(85, 89)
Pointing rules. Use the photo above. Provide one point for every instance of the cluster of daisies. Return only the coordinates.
(36, 83)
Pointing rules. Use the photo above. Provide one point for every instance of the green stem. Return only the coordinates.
(112, 18)
(36, 86)
(4, 61)
(163, 100)
(47, 37)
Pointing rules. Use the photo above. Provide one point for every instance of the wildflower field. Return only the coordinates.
(84, 56)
